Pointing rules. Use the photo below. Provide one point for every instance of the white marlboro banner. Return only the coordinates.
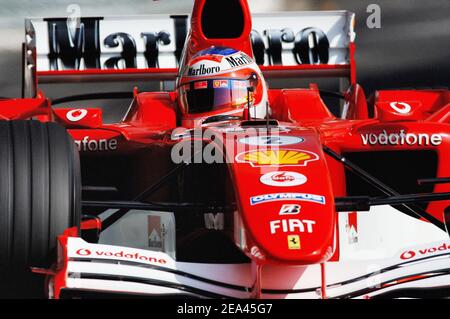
(156, 41)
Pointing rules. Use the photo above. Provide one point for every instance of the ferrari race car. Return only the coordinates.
(215, 185)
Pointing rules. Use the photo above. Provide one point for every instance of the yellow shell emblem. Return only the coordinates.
(278, 157)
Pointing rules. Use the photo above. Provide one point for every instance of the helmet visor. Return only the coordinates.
(213, 94)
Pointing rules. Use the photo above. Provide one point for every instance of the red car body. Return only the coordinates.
(393, 121)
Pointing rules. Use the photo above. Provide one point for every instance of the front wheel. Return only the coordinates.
(40, 196)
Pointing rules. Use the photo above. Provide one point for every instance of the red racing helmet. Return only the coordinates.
(221, 80)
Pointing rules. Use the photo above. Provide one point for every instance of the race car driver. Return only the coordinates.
(221, 81)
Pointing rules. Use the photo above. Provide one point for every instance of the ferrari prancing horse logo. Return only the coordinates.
(277, 158)
(293, 242)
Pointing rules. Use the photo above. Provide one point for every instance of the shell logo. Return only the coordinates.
(277, 158)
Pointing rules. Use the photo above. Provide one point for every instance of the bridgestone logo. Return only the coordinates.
(202, 70)
(401, 138)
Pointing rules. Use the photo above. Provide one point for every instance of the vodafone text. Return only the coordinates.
(425, 251)
(87, 145)
(84, 252)
(401, 138)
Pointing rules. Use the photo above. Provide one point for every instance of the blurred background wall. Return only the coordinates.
(411, 49)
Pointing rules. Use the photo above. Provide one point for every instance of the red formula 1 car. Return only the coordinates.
(220, 187)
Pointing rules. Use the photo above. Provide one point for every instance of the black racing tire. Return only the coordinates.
(40, 196)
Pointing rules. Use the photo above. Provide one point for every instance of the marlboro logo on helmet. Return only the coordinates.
(203, 70)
